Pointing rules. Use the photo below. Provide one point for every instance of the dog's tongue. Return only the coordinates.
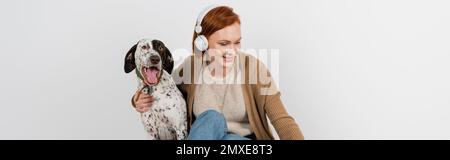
(151, 75)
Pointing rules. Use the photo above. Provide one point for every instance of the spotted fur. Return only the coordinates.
(166, 118)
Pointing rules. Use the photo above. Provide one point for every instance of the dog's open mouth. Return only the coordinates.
(151, 75)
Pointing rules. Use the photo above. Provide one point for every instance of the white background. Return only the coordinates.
(349, 69)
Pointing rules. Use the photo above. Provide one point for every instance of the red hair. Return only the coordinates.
(216, 19)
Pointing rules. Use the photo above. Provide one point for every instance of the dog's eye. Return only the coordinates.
(160, 48)
(144, 47)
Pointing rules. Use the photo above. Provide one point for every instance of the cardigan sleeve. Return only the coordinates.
(284, 124)
(270, 97)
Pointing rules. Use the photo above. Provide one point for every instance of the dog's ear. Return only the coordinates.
(166, 56)
(129, 60)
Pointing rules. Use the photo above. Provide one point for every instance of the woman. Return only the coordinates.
(229, 94)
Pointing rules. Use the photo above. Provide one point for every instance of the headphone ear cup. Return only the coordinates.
(201, 43)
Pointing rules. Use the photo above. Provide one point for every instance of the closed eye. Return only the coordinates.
(224, 43)
(227, 42)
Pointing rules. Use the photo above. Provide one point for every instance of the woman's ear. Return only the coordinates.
(129, 60)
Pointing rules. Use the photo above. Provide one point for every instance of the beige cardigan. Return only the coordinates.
(261, 97)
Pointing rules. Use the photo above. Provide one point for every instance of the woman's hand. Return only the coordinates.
(142, 102)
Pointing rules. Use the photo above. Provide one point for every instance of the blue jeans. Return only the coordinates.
(211, 125)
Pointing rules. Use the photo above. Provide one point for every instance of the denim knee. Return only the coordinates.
(211, 115)
(209, 125)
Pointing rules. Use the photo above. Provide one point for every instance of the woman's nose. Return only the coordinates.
(235, 47)
(231, 51)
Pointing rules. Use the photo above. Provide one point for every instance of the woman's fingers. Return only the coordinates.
(145, 96)
(143, 101)
(149, 98)
(146, 101)
(143, 106)
(140, 97)
(140, 110)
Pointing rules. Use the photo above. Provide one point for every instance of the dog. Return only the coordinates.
(153, 62)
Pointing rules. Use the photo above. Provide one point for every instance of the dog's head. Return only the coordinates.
(149, 58)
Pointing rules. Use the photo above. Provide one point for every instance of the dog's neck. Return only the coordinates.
(145, 88)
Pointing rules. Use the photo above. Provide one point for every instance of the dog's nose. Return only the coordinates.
(154, 59)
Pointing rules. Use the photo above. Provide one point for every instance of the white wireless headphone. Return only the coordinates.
(200, 42)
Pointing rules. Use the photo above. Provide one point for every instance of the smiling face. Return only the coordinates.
(149, 58)
(224, 45)
(148, 62)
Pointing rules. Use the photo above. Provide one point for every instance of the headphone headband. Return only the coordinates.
(203, 13)
(201, 42)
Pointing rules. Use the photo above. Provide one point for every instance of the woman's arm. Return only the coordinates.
(283, 123)
(268, 96)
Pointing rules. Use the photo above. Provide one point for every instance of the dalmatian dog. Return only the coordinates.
(166, 118)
